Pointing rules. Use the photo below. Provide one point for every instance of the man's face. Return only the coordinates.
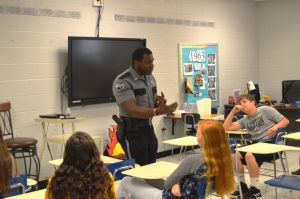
(247, 105)
(145, 66)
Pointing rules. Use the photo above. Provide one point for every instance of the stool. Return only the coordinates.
(20, 147)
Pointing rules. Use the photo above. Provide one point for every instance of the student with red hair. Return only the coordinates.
(213, 162)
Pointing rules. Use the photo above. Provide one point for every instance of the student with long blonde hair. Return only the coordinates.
(214, 162)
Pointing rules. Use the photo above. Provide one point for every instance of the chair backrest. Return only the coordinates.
(232, 144)
(5, 119)
(214, 110)
(190, 120)
(118, 167)
(278, 138)
(17, 186)
(202, 187)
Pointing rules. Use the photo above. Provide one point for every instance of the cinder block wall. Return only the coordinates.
(33, 53)
(278, 44)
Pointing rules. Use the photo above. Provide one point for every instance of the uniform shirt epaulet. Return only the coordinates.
(124, 75)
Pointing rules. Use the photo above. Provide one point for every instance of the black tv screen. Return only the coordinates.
(290, 91)
(93, 65)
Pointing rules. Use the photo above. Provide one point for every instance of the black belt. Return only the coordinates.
(132, 124)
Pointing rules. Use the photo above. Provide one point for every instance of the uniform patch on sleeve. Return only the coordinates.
(120, 84)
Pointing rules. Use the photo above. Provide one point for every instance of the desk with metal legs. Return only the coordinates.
(105, 159)
(177, 116)
(31, 195)
(157, 170)
(182, 142)
(264, 148)
(294, 136)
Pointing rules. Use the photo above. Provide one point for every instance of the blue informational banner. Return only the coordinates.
(199, 75)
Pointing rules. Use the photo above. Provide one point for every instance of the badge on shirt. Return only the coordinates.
(120, 84)
(152, 82)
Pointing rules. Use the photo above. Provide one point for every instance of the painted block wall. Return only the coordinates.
(33, 54)
(278, 44)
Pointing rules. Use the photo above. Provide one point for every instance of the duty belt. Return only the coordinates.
(134, 123)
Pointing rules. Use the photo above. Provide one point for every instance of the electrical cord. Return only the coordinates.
(100, 11)
(63, 88)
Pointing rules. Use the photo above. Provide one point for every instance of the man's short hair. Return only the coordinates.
(246, 96)
(139, 53)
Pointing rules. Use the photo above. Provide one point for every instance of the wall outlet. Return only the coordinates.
(96, 3)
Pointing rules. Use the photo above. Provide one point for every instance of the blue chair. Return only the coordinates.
(232, 144)
(285, 182)
(118, 167)
(17, 185)
(278, 139)
(202, 187)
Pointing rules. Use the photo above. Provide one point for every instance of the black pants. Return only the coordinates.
(140, 145)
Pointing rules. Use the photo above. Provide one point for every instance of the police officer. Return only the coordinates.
(135, 91)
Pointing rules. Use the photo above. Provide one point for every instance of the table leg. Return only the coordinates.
(44, 141)
(173, 126)
(237, 175)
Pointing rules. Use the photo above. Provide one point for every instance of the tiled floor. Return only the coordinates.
(293, 162)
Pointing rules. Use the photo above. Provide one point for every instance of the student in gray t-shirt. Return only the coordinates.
(213, 161)
(262, 124)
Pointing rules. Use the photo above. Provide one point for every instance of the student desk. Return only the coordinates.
(241, 133)
(182, 142)
(177, 116)
(105, 159)
(40, 194)
(294, 136)
(157, 170)
(265, 148)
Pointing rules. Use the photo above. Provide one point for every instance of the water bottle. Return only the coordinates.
(68, 113)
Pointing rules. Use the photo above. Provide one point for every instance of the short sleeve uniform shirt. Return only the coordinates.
(130, 85)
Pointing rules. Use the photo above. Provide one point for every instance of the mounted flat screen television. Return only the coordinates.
(290, 91)
(93, 65)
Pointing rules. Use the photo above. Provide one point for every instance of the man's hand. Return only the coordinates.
(272, 131)
(237, 108)
(166, 109)
(176, 190)
(160, 100)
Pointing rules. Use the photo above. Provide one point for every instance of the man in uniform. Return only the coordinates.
(136, 95)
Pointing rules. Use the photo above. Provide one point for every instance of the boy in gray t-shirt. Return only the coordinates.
(262, 124)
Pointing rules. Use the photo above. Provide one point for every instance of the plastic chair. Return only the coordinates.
(190, 122)
(278, 139)
(202, 187)
(232, 144)
(18, 185)
(285, 182)
(117, 168)
(20, 147)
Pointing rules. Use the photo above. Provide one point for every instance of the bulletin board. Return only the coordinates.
(198, 74)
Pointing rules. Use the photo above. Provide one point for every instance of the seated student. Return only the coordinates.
(82, 174)
(8, 167)
(214, 162)
(262, 124)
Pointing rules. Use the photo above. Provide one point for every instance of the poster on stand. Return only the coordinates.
(198, 74)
